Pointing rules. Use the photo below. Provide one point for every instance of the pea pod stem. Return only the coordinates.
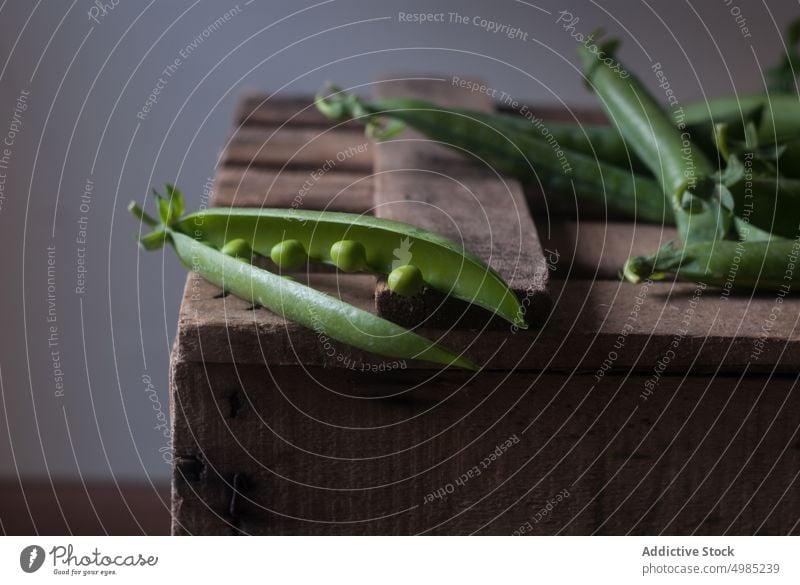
(323, 313)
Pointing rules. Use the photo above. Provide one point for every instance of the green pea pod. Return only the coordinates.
(739, 266)
(747, 232)
(334, 238)
(701, 205)
(603, 143)
(770, 204)
(783, 75)
(509, 150)
(788, 164)
(325, 314)
(780, 119)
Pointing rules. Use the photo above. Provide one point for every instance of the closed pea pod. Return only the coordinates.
(760, 265)
(512, 148)
(483, 134)
(780, 119)
(700, 203)
(789, 161)
(770, 204)
(603, 143)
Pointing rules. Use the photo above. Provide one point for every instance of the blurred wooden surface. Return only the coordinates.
(129, 509)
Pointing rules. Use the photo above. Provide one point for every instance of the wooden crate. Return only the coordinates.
(655, 408)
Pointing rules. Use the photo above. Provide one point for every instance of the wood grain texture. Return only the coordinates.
(299, 147)
(84, 509)
(259, 108)
(658, 407)
(598, 249)
(590, 321)
(350, 192)
(427, 185)
(318, 452)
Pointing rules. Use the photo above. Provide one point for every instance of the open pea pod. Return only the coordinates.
(296, 302)
(356, 242)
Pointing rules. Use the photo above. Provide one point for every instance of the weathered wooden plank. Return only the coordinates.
(319, 149)
(427, 185)
(312, 456)
(594, 249)
(594, 327)
(301, 189)
(654, 406)
(83, 508)
(259, 108)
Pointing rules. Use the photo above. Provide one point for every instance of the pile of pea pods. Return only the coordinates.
(221, 244)
(725, 172)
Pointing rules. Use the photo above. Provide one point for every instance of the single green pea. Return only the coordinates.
(349, 256)
(405, 280)
(238, 248)
(288, 254)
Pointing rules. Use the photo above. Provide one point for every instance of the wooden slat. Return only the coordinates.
(299, 147)
(427, 185)
(257, 187)
(594, 249)
(312, 456)
(258, 108)
(305, 453)
(585, 326)
(89, 509)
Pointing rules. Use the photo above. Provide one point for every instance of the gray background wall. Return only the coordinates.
(87, 81)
